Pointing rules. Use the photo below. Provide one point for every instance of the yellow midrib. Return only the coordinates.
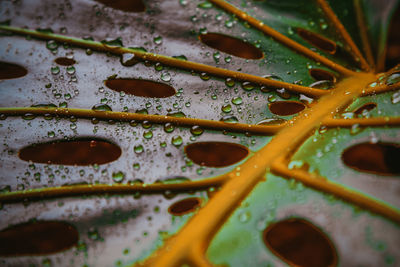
(198, 232)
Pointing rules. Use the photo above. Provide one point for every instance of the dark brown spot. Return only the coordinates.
(141, 88)
(11, 71)
(285, 108)
(317, 40)
(184, 206)
(322, 75)
(125, 5)
(64, 61)
(37, 238)
(231, 45)
(71, 152)
(300, 243)
(379, 158)
(367, 107)
(216, 154)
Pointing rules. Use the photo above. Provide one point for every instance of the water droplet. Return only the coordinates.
(178, 114)
(229, 82)
(71, 70)
(177, 140)
(237, 100)
(226, 108)
(229, 119)
(128, 59)
(93, 234)
(166, 77)
(175, 180)
(28, 116)
(101, 107)
(136, 166)
(244, 216)
(395, 97)
(393, 78)
(271, 121)
(51, 45)
(196, 130)
(248, 86)
(138, 149)
(205, 5)
(158, 66)
(113, 42)
(148, 134)
(118, 177)
(204, 76)
(55, 70)
(158, 40)
(355, 129)
(324, 84)
(169, 127)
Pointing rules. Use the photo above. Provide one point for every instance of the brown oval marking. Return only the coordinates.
(143, 88)
(64, 61)
(322, 75)
(80, 152)
(380, 158)
(37, 238)
(231, 45)
(285, 108)
(317, 40)
(125, 5)
(367, 106)
(300, 243)
(216, 154)
(184, 206)
(11, 71)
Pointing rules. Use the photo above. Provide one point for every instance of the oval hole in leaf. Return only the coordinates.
(125, 5)
(216, 154)
(37, 238)
(317, 40)
(300, 243)
(231, 45)
(184, 206)
(367, 107)
(80, 152)
(322, 75)
(11, 71)
(285, 108)
(143, 88)
(64, 61)
(379, 158)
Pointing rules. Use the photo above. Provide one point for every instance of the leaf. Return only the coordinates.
(156, 204)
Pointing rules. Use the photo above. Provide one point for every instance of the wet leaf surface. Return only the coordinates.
(122, 229)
